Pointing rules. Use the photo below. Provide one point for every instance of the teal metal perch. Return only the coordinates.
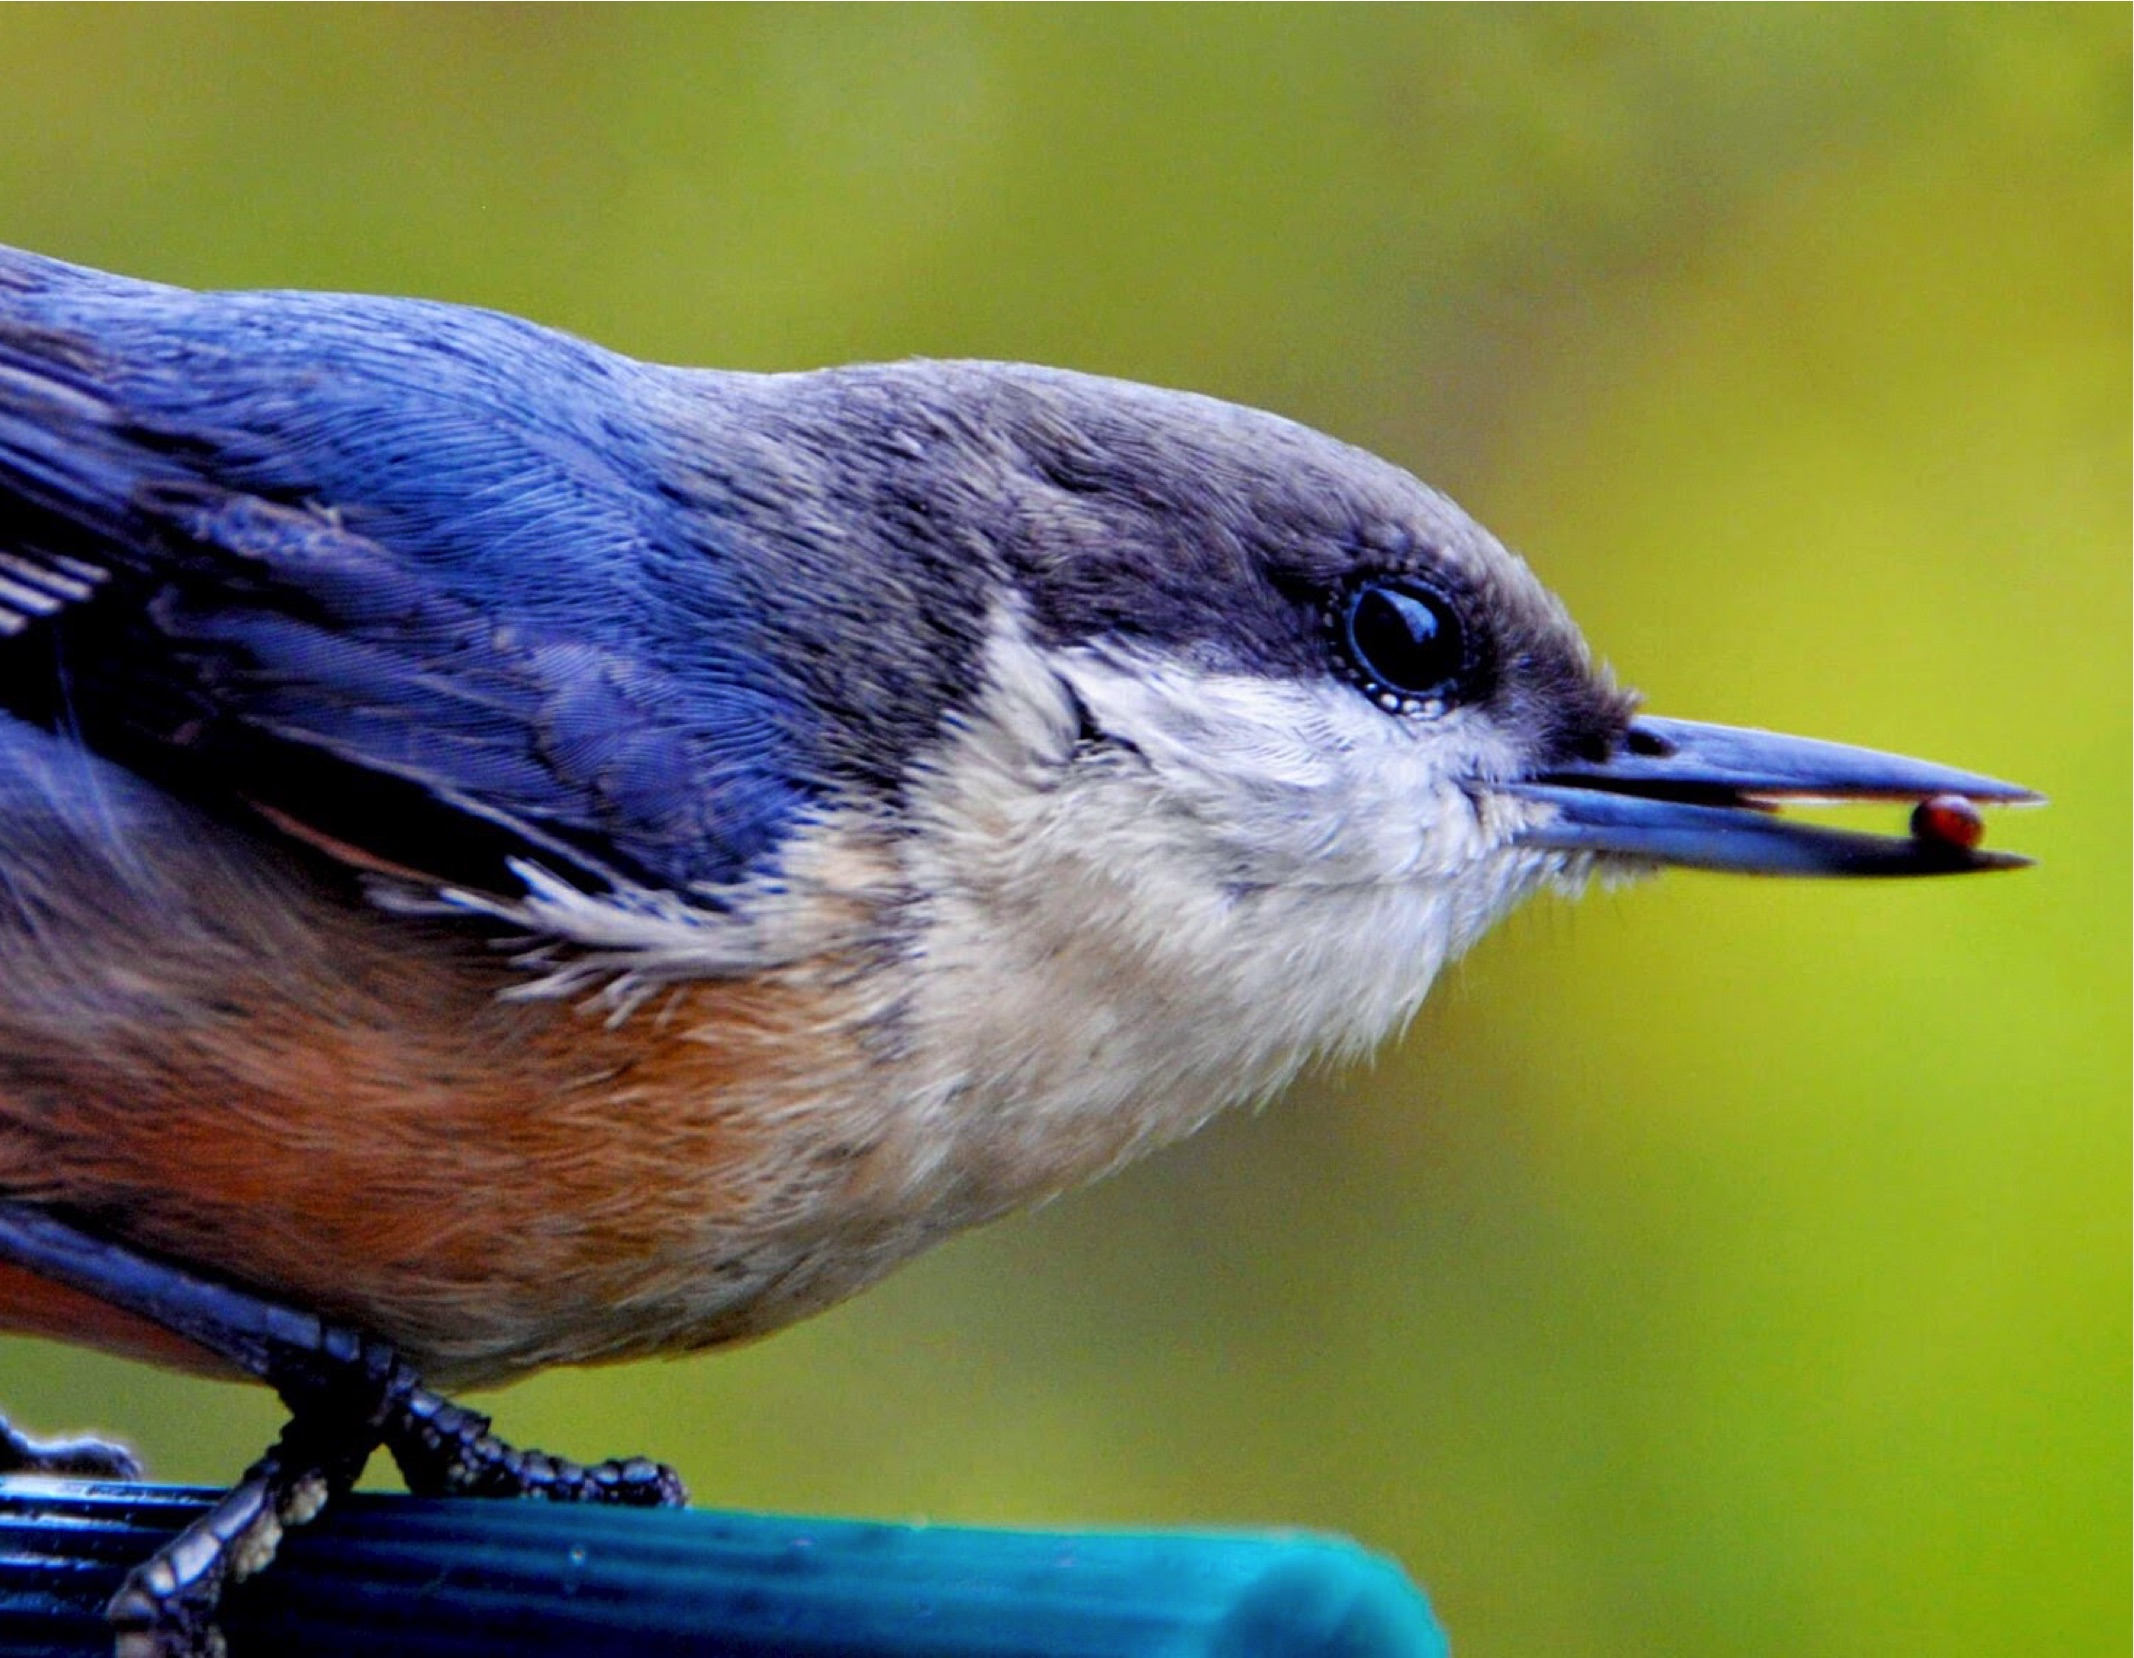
(436, 1578)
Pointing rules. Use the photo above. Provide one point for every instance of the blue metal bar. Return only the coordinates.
(402, 1577)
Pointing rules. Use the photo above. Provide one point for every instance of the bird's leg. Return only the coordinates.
(347, 1393)
(74, 1459)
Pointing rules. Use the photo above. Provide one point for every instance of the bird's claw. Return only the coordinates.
(83, 1458)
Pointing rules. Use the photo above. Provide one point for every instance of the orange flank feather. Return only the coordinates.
(375, 1134)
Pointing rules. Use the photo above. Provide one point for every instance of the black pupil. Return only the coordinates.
(1408, 641)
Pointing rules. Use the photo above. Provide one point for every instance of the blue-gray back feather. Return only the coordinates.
(298, 549)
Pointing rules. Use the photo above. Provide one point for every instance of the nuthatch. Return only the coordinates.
(513, 856)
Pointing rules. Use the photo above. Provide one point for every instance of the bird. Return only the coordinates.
(515, 856)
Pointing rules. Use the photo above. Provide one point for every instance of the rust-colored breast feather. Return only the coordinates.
(372, 1132)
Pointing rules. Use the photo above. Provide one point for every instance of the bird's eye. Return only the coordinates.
(1404, 645)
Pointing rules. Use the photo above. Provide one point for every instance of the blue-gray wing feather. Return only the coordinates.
(347, 557)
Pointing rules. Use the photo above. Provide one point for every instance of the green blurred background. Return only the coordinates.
(1719, 1266)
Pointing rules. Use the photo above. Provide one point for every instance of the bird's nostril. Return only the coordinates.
(1642, 740)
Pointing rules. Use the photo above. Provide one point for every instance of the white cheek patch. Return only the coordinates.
(1304, 781)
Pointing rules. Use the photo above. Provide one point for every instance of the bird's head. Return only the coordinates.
(1262, 731)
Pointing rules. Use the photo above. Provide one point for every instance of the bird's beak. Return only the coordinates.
(1682, 792)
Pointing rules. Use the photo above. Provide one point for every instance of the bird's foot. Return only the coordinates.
(347, 1394)
(71, 1459)
(446, 1450)
(350, 1393)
